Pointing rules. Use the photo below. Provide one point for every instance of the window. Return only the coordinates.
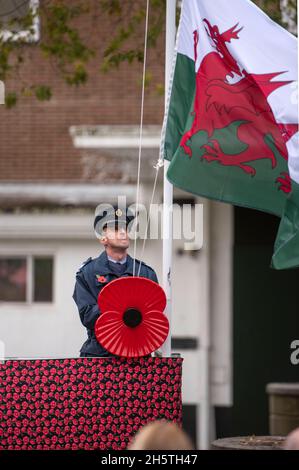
(13, 275)
(26, 279)
(19, 20)
(42, 274)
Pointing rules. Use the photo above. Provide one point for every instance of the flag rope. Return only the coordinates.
(141, 125)
(157, 167)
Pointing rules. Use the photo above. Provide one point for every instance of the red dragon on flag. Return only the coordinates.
(226, 94)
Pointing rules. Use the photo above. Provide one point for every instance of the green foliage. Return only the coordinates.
(43, 93)
(112, 7)
(119, 49)
(5, 66)
(274, 8)
(62, 41)
(160, 89)
(64, 45)
(11, 99)
(271, 7)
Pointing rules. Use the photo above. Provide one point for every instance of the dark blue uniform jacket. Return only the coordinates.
(86, 293)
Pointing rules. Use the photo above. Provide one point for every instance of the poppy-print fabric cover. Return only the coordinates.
(85, 403)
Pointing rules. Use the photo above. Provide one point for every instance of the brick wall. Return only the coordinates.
(35, 144)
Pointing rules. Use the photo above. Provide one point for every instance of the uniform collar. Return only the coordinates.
(104, 268)
(112, 260)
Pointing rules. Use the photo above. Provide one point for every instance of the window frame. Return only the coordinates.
(29, 278)
(25, 35)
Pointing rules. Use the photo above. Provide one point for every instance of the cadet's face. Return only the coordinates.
(116, 237)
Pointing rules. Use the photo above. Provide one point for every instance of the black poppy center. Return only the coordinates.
(132, 317)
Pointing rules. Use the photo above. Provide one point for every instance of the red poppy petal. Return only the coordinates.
(115, 336)
(135, 292)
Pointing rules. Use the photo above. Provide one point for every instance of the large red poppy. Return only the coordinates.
(132, 322)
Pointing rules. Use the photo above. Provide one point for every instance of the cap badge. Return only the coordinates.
(118, 212)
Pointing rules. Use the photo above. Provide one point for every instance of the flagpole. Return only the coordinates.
(167, 186)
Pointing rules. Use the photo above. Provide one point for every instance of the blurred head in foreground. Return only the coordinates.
(161, 435)
(292, 440)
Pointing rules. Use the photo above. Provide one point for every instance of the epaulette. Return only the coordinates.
(84, 264)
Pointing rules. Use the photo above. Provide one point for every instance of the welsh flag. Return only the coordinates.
(232, 121)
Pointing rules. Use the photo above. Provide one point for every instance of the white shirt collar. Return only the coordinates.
(123, 261)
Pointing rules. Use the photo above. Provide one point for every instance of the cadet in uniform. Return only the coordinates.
(94, 274)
